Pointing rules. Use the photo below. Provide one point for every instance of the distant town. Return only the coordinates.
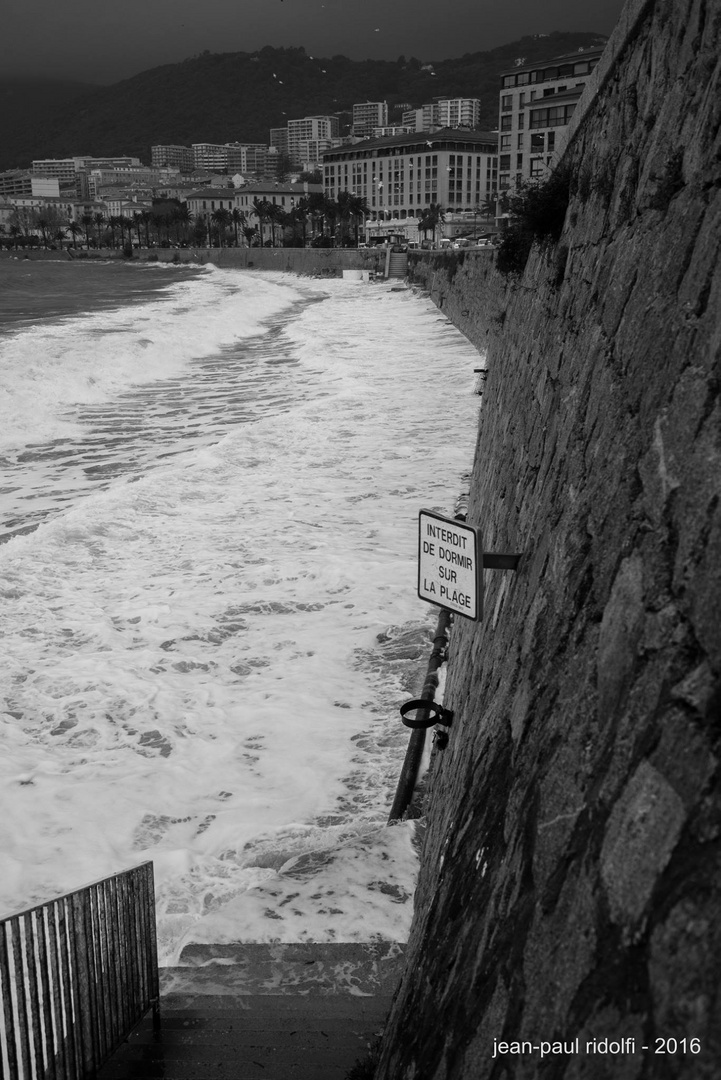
(433, 179)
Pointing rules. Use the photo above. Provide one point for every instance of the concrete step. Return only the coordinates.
(281, 1012)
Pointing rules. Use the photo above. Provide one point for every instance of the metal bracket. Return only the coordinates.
(439, 714)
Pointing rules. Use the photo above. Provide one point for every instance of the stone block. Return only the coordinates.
(642, 831)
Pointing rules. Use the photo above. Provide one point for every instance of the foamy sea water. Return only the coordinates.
(209, 629)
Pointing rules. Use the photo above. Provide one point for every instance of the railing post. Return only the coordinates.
(76, 974)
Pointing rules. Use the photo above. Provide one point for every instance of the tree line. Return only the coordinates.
(315, 218)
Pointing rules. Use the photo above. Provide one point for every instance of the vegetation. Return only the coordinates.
(431, 217)
(537, 212)
(200, 99)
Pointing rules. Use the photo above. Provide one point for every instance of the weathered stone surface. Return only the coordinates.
(570, 863)
(642, 832)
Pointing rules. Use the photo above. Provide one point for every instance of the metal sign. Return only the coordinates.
(450, 564)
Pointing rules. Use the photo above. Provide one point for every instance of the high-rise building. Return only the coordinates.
(536, 103)
(427, 118)
(309, 128)
(210, 156)
(459, 112)
(279, 139)
(367, 116)
(173, 157)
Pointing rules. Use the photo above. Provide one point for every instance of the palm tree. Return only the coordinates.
(41, 223)
(431, 217)
(74, 228)
(112, 226)
(99, 220)
(87, 221)
(316, 203)
(262, 209)
(276, 216)
(15, 231)
(182, 218)
(359, 210)
(344, 212)
(143, 218)
(488, 209)
(331, 212)
(238, 219)
(301, 213)
(221, 220)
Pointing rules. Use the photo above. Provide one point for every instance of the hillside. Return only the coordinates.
(223, 97)
(26, 107)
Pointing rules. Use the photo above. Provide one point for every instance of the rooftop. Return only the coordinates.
(428, 138)
(592, 53)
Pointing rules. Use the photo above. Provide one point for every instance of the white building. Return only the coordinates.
(536, 104)
(367, 116)
(173, 157)
(210, 156)
(459, 112)
(427, 118)
(310, 129)
(401, 176)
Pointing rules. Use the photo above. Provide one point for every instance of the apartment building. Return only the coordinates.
(72, 173)
(15, 182)
(279, 139)
(536, 104)
(400, 176)
(172, 157)
(141, 176)
(367, 116)
(459, 112)
(427, 118)
(320, 130)
(212, 157)
(443, 112)
(256, 160)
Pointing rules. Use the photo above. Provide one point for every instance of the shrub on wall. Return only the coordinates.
(537, 211)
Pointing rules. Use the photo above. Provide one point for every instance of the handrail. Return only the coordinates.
(414, 751)
(76, 974)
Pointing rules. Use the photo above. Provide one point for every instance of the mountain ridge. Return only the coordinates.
(227, 97)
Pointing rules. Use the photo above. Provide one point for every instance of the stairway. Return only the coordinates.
(397, 264)
(280, 1012)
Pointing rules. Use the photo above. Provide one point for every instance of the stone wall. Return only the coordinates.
(571, 871)
(315, 262)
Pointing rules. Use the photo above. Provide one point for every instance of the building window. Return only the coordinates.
(537, 143)
(519, 145)
(505, 161)
(505, 142)
(506, 102)
(506, 122)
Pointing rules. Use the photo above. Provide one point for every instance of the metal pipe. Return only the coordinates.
(416, 743)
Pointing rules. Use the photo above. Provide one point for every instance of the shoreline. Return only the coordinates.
(308, 262)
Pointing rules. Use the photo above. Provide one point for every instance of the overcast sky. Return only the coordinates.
(107, 40)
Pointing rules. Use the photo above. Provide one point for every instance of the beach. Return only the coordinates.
(211, 489)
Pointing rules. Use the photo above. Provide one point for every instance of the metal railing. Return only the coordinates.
(76, 975)
(414, 752)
